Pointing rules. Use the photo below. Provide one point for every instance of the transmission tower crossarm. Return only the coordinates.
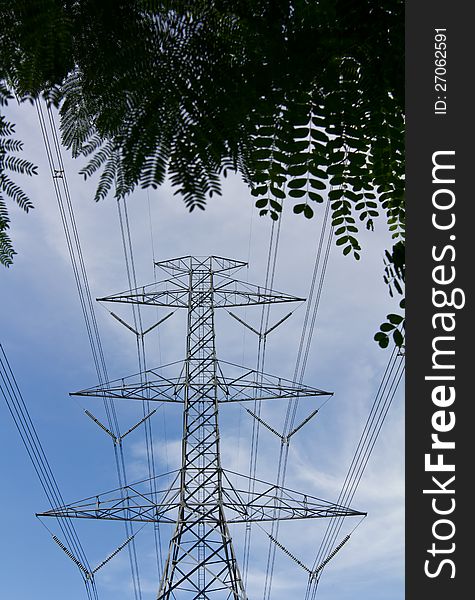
(203, 499)
(270, 502)
(227, 292)
(184, 264)
(118, 509)
(239, 385)
(136, 387)
(267, 502)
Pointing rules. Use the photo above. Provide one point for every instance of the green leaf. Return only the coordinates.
(337, 156)
(297, 170)
(278, 193)
(263, 142)
(337, 180)
(262, 154)
(319, 135)
(259, 191)
(384, 342)
(297, 193)
(318, 185)
(342, 240)
(336, 169)
(308, 211)
(298, 146)
(315, 197)
(261, 203)
(398, 338)
(336, 194)
(352, 196)
(297, 183)
(395, 319)
(320, 173)
(301, 132)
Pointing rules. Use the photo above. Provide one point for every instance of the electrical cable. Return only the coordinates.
(79, 270)
(142, 363)
(384, 397)
(261, 352)
(28, 434)
(299, 371)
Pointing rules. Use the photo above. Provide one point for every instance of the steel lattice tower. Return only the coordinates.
(204, 497)
(202, 533)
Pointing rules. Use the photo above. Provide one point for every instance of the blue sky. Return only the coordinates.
(44, 336)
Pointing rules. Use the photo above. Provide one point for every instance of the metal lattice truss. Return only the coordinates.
(244, 384)
(266, 502)
(203, 498)
(175, 291)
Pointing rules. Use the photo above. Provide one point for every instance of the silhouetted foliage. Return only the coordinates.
(302, 98)
(9, 189)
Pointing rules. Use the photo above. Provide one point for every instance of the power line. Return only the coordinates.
(29, 436)
(306, 337)
(65, 205)
(142, 362)
(260, 365)
(384, 396)
(201, 562)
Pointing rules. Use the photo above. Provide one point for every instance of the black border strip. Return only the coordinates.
(434, 128)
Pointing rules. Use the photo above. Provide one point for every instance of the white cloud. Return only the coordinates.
(46, 337)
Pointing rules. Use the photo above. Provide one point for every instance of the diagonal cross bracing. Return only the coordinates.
(201, 562)
(266, 502)
(235, 384)
(201, 533)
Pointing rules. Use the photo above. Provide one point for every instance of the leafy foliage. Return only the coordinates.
(395, 273)
(294, 95)
(9, 189)
(394, 326)
(303, 99)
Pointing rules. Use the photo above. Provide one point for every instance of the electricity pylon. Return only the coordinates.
(203, 497)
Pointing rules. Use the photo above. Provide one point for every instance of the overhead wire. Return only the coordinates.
(64, 200)
(270, 274)
(302, 356)
(68, 220)
(260, 362)
(89, 313)
(31, 441)
(383, 399)
(363, 452)
(142, 363)
(155, 254)
(306, 337)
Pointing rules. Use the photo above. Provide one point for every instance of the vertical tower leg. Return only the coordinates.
(201, 562)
